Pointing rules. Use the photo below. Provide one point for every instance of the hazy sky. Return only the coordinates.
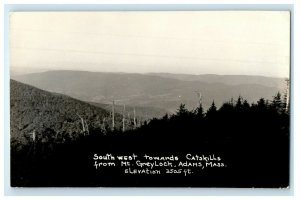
(210, 42)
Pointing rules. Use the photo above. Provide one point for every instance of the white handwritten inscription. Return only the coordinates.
(134, 164)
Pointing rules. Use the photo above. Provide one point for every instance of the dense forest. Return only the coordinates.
(253, 139)
(52, 117)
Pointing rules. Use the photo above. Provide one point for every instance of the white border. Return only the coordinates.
(159, 191)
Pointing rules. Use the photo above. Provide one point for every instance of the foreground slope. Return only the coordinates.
(48, 115)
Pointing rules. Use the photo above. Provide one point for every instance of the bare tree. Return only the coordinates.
(33, 133)
(113, 115)
(82, 122)
(199, 95)
(134, 118)
(103, 125)
(87, 127)
(33, 136)
(123, 120)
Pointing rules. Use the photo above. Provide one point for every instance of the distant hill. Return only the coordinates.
(153, 90)
(228, 79)
(49, 114)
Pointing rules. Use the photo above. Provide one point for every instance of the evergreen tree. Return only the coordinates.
(238, 105)
(165, 118)
(226, 107)
(277, 104)
(262, 104)
(246, 105)
(212, 110)
(199, 112)
(182, 111)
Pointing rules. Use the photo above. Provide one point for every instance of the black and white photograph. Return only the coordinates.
(150, 99)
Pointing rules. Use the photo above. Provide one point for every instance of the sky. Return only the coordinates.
(186, 42)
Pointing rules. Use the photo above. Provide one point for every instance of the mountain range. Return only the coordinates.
(161, 91)
(228, 79)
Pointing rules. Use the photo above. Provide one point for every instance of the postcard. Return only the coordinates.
(150, 99)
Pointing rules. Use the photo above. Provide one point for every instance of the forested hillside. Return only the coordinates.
(50, 116)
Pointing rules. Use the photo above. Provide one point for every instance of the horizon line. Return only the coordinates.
(142, 73)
